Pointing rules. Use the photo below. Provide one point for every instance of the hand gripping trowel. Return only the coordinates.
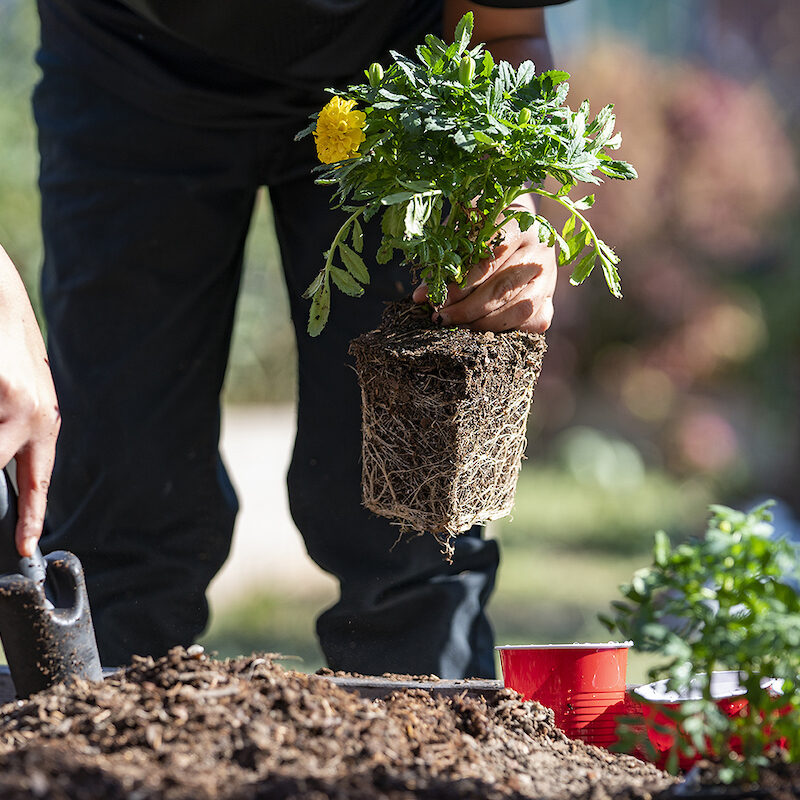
(45, 624)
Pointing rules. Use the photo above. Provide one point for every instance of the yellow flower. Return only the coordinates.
(338, 133)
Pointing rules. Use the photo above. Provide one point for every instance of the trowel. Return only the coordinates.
(45, 622)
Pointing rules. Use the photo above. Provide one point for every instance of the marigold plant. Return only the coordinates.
(447, 143)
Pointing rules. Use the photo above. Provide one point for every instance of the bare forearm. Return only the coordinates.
(516, 49)
(29, 418)
(510, 34)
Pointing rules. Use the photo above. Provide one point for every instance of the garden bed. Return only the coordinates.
(187, 726)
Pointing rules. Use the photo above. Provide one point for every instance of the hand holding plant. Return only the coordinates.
(511, 290)
(442, 147)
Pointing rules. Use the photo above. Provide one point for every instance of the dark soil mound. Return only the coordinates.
(187, 726)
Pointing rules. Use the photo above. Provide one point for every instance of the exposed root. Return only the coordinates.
(444, 413)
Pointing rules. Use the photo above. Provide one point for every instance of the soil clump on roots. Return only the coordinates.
(444, 413)
(188, 727)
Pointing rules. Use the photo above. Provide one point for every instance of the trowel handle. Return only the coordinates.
(10, 560)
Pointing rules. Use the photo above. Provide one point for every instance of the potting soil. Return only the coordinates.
(444, 413)
(188, 726)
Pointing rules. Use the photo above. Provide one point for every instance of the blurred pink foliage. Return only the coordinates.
(718, 184)
(714, 160)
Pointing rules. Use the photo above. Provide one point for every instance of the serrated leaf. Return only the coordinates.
(406, 65)
(424, 54)
(439, 123)
(524, 219)
(389, 95)
(392, 221)
(308, 129)
(314, 286)
(583, 269)
(386, 105)
(358, 236)
(488, 65)
(320, 309)
(465, 140)
(608, 252)
(553, 236)
(354, 263)
(417, 213)
(577, 129)
(397, 197)
(575, 244)
(506, 76)
(420, 187)
(436, 46)
(384, 253)
(611, 276)
(482, 138)
(497, 125)
(603, 138)
(411, 122)
(601, 120)
(556, 76)
(526, 72)
(584, 202)
(569, 226)
(346, 283)
(621, 170)
(463, 32)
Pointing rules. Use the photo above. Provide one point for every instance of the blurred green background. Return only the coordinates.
(684, 393)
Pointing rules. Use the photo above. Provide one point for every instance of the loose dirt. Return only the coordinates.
(188, 726)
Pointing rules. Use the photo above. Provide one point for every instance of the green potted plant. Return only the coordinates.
(440, 148)
(726, 602)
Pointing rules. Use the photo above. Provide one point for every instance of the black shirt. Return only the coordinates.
(234, 62)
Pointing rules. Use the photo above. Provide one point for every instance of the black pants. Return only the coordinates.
(144, 226)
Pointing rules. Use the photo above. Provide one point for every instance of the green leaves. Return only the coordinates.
(347, 280)
(727, 601)
(618, 169)
(320, 308)
(354, 263)
(453, 129)
(463, 32)
(346, 283)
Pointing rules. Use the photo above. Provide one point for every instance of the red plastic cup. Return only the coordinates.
(580, 682)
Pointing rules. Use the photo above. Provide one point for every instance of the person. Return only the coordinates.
(158, 123)
(29, 415)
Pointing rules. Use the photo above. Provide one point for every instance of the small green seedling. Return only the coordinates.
(725, 602)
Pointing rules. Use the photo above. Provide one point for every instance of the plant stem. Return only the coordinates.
(567, 203)
(340, 235)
